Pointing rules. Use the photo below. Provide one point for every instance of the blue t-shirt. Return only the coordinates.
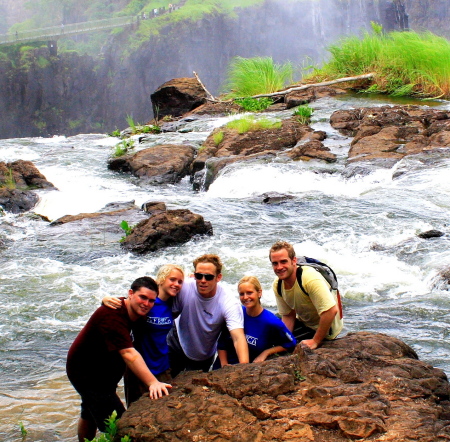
(150, 338)
(262, 332)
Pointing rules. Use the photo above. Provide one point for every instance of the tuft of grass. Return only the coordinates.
(8, 181)
(115, 133)
(404, 63)
(126, 228)
(122, 148)
(218, 138)
(131, 123)
(111, 431)
(303, 113)
(258, 75)
(250, 104)
(249, 123)
(23, 430)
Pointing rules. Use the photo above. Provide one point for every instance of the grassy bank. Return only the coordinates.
(405, 63)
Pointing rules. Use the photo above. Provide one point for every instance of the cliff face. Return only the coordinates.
(433, 15)
(70, 94)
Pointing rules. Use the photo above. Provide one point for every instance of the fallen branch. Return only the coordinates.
(306, 86)
(211, 96)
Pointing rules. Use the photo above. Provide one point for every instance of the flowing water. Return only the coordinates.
(365, 227)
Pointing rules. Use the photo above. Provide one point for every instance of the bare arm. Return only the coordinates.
(270, 351)
(137, 365)
(325, 321)
(289, 320)
(223, 357)
(111, 302)
(240, 344)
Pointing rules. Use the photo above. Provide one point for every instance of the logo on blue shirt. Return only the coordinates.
(159, 321)
(251, 340)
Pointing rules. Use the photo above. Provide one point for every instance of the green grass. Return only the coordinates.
(8, 181)
(258, 75)
(303, 113)
(404, 63)
(218, 138)
(254, 104)
(249, 123)
(123, 148)
(111, 431)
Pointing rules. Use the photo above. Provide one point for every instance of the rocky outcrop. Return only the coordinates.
(392, 132)
(16, 181)
(363, 386)
(177, 97)
(166, 229)
(225, 146)
(164, 163)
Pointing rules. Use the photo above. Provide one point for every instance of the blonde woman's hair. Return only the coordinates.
(253, 280)
(164, 272)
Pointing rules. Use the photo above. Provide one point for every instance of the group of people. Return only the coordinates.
(173, 323)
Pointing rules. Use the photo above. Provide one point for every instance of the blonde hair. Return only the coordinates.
(253, 280)
(164, 272)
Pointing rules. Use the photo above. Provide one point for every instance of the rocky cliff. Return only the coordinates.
(69, 94)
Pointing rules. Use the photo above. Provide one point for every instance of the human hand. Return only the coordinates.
(311, 343)
(156, 389)
(261, 357)
(111, 302)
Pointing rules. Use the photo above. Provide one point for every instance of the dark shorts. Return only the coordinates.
(302, 332)
(98, 405)
(178, 359)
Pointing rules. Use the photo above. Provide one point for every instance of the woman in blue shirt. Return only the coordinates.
(150, 336)
(266, 334)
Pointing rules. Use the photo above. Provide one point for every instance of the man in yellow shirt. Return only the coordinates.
(313, 315)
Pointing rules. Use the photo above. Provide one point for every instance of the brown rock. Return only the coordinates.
(166, 229)
(392, 132)
(363, 386)
(296, 98)
(16, 181)
(165, 163)
(312, 149)
(247, 146)
(177, 97)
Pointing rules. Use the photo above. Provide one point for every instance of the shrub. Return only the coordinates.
(259, 75)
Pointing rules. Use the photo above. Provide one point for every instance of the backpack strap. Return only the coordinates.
(299, 279)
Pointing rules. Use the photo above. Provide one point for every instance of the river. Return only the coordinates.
(365, 227)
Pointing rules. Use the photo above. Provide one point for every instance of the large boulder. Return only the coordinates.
(17, 179)
(297, 98)
(363, 386)
(164, 163)
(392, 132)
(177, 97)
(166, 229)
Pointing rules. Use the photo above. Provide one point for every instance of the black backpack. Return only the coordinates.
(324, 269)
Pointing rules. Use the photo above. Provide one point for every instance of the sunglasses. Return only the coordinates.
(207, 276)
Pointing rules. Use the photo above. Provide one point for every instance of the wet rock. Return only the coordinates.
(392, 132)
(153, 207)
(120, 209)
(362, 386)
(17, 201)
(217, 152)
(165, 163)
(166, 229)
(430, 234)
(313, 149)
(219, 109)
(177, 97)
(297, 98)
(17, 179)
(275, 198)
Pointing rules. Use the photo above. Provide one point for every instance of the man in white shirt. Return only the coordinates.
(204, 308)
